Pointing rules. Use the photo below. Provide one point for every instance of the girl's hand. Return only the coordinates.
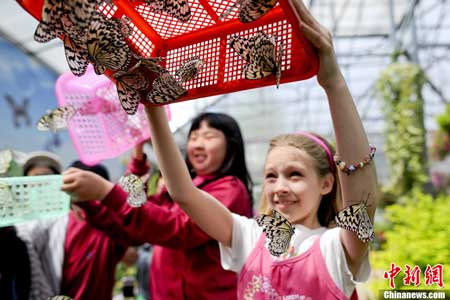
(329, 74)
(85, 185)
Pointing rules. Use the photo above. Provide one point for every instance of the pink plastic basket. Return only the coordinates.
(100, 129)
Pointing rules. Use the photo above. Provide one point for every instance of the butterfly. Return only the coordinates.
(75, 46)
(178, 9)
(50, 26)
(5, 159)
(355, 218)
(260, 54)
(106, 44)
(134, 186)
(278, 231)
(189, 69)
(57, 119)
(250, 10)
(165, 89)
(130, 84)
(59, 297)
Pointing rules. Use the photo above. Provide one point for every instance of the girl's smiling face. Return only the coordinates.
(293, 186)
(206, 149)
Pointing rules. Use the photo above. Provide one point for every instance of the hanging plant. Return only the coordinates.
(400, 87)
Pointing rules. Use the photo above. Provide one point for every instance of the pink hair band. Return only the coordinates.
(323, 146)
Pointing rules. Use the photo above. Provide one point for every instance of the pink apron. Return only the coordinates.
(303, 277)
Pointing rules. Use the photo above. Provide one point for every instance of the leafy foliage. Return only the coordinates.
(400, 87)
(418, 236)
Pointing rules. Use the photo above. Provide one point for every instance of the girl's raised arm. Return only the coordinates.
(351, 139)
(206, 211)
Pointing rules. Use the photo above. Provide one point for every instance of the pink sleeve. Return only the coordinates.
(138, 167)
(170, 226)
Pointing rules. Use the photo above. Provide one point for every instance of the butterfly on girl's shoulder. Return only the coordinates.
(278, 231)
(134, 186)
(355, 218)
(179, 9)
(250, 10)
(260, 53)
(106, 44)
(165, 89)
(57, 119)
(189, 69)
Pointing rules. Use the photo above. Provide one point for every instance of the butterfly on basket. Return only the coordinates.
(134, 186)
(278, 231)
(189, 69)
(355, 218)
(57, 119)
(165, 89)
(178, 9)
(260, 53)
(106, 44)
(250, 10)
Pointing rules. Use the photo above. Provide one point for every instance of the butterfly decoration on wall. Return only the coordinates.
(56, 119)
(250, 10)
(261, 54)
(134, 186)
(178, 9)
(278, 231)
(355, 218)
(20, 111)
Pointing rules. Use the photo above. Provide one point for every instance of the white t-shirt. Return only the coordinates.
(246, 233)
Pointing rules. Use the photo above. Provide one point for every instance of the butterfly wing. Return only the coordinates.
(165, 89)
(76, 55)
(355, 218)
(50, 26)
(242, 46)
(278, 231)
(129, 87)
(131, 183)
(252, 10)
(59, 297)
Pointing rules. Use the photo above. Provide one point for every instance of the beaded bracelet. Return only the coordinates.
(342, 165)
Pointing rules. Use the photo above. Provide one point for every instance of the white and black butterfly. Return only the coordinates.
(5, 159)
(165, 89)
(59, 297)
(134, 186)
(106, 44)
(355, 218)
(178, 9)
(261, 55)
(189, 69)
(57, 119)
(250, 10)
(278, 231)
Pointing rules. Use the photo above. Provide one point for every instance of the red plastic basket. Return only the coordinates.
(208, 38)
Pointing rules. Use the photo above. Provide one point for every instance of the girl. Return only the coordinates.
(302, 182)
(186, 263)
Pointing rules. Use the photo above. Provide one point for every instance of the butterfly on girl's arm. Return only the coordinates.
(178, 9)
(134, 186)
(250, 10)
(57, 119)
(278, 231)
(260, 53)
(355, 218)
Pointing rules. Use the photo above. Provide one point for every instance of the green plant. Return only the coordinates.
(400, 87)
(443, 120)
(417, 235)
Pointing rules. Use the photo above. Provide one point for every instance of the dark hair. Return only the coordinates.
(234, 163)
(97, 169)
